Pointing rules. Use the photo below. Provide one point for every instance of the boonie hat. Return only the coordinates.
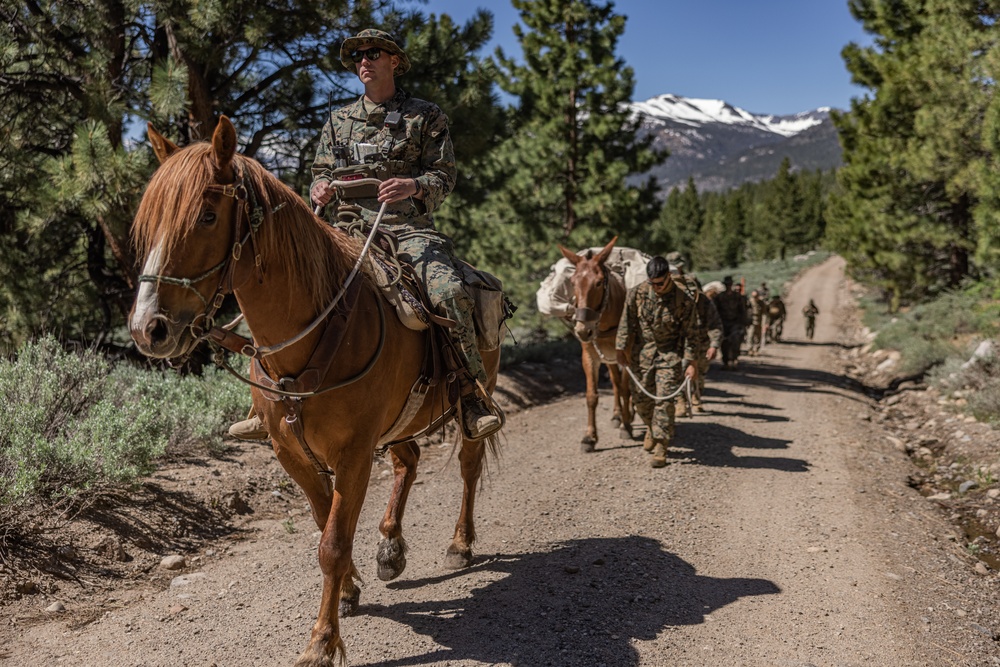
(378, 38)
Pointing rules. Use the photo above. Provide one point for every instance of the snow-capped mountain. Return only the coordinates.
(722, 146)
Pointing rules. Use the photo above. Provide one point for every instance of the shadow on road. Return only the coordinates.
(581, 604)
(712, 444)
(760, 373)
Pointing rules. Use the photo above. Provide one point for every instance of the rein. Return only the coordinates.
(684, 388)
(248, 349)
(241, 193)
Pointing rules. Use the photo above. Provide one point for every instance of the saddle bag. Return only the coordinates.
(492, 309)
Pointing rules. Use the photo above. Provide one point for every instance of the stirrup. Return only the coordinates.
(492, 410)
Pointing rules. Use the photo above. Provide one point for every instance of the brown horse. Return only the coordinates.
(213, 222)
(599, 295)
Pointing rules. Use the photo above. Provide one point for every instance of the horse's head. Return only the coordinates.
(590, 289)
(187, 228)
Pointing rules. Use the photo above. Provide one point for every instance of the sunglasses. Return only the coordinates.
(657, 283)
(372, 54)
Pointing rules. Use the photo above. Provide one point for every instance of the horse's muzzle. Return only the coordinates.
(157, 336)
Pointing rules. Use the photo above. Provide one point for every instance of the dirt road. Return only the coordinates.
(783, 533)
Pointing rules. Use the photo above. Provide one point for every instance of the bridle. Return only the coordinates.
(202, 327)
(588, 315)
(204, 322)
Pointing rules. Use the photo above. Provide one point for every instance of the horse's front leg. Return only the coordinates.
(622, 402)
(391, 556)
(591, 369)
(459, 552)
(318, 488)
(336, 546)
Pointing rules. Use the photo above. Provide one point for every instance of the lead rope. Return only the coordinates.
(685, 387)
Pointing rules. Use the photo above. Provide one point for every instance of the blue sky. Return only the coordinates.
(765, 56)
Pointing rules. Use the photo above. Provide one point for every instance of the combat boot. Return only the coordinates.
(659, 458)
(249, 429)
(477, 420)
(681, 406)
(648, 443)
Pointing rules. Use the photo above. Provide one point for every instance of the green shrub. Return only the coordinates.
(70, 421)
(928, 334)
(196, 410)
(978, 383)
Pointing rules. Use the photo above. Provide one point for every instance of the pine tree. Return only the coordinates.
(779, 226)
(79, 79)
(575, 140)
(912, 149)
(680, 222)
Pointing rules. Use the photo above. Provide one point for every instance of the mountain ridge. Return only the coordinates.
(722, 146)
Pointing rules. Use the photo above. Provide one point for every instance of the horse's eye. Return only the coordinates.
(207, 217)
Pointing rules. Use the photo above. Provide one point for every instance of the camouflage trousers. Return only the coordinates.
(658, 380)
(702, 364)
(755, 333)
(432, 256)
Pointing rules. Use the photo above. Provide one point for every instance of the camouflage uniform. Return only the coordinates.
(810, 312)
(732, 310)
(420, 148)
(709, 329)
(658, 333)
(775, 318)
(756, 323)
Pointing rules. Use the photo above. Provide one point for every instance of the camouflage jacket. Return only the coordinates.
(709, 322)
(419, 147)
(776, 309)
(658, 330)
(756, 310)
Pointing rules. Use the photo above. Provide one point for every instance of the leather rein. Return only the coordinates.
(221, 338)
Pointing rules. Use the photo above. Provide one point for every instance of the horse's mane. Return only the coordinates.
(315, 255)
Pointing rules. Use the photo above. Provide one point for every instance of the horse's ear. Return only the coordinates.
(603, 255)
(570, 255)
(224, 142)
(162, 147)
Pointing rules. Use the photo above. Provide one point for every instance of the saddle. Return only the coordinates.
(405, 292)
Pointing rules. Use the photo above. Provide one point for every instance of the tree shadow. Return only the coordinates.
(798, 380)
(584, 602)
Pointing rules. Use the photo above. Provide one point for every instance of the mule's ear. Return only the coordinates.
(570, 255)
(606, 251)
(162, 147)
(224, 142)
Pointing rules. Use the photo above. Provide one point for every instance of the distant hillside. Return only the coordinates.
(723, 146)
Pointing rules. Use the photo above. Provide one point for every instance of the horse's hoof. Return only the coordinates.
(349, 605)
(457, 560)
(616, 421)
(625, 432)
(391, 559)
(586, 447)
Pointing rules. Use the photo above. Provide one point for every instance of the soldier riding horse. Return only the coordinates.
(334, 377)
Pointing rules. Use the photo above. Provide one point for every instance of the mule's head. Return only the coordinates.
(590, 290)
(185, 228)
